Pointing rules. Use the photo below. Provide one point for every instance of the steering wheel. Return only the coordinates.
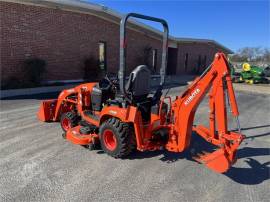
(106, 83)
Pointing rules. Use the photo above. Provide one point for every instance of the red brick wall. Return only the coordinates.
(63, 39)
(194, 50)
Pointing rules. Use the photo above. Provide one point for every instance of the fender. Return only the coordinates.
(113, 111)
(129, 115)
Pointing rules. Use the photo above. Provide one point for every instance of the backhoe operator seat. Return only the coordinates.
(138, 85)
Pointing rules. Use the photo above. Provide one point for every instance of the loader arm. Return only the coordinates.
(216, 79)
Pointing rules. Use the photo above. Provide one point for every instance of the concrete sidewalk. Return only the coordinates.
(33, 91)
(170, 81)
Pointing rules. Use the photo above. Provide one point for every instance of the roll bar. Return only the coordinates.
(123, 45)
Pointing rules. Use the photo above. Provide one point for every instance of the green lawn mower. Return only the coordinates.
(252, 74)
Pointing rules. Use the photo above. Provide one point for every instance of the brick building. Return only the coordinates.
(65, 33)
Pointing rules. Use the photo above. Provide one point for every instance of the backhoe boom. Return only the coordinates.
(217, 81)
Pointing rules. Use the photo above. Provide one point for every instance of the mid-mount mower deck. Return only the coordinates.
(122, 117)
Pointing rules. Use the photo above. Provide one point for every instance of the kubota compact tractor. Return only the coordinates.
(124, 119)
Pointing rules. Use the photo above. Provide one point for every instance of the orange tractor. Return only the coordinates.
(123, 116)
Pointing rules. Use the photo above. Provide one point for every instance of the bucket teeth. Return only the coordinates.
(205, 153)
(197, 158)
(200, 156)
(216, 161)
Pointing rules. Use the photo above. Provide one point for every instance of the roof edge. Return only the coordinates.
(193, 40)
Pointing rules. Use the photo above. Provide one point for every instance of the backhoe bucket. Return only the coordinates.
(217, 161)
(225, 156)
(46, 110)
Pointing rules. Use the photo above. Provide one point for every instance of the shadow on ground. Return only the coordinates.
(255, 172)
(256, 127)
(252, 172)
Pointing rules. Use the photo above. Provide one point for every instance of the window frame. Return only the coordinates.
(104, 63)
(154, 59)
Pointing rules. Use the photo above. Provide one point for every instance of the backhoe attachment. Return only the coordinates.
(225, 156)
(217, 81)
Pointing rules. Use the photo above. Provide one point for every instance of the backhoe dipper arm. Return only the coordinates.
(216, 79)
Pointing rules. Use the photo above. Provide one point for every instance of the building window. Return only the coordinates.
(186, 62)
(154, 59)
(102, 56)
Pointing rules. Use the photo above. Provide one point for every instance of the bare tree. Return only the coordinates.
(251, 54)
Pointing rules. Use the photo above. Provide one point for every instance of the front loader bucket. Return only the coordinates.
(217, 161)
(46, 110)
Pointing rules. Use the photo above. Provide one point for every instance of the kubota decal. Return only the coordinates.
(191, 97)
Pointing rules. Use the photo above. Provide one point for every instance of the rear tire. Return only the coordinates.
(116, 138)
(68, 120)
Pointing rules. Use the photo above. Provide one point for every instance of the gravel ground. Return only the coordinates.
(254, 88)
(36, 164)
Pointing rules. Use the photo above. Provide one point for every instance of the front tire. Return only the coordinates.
(115, 138)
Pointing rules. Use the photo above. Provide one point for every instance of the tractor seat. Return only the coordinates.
(138, 85)
(138, 89)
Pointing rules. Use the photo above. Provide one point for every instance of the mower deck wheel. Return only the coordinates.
(68, 120)
(115, 138)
